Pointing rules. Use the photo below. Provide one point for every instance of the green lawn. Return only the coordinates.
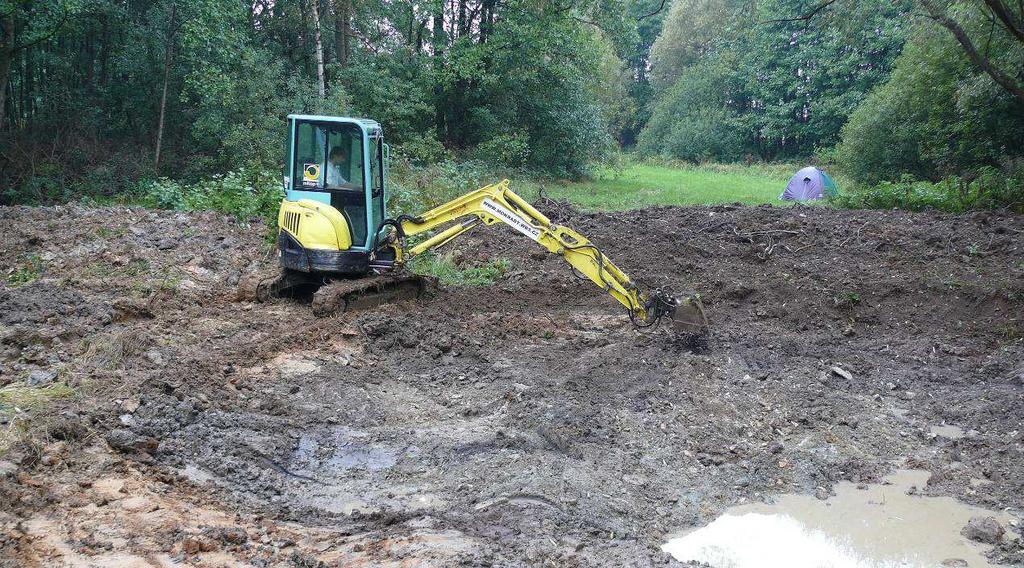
(643, 185)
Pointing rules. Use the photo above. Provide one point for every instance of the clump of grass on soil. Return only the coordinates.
(445, 270)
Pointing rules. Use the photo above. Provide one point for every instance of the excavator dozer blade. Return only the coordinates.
(688, 316)
(363, 293)
(267, 285)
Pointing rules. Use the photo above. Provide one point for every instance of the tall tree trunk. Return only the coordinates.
(168, 59)
(342, 23)
(319, 46)
(438, 43)
(104, 50)
(6, 57)
(28, 83)
(463, 27)
(7, 52)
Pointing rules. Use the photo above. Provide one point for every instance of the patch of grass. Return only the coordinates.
(104, 269)
(28, 268)
(1011, 332)
(17, 402)
(846, 299)
(30, 399)
(1015, 295)
(442, 268)
(107, 233)
(113, 350)
(643, 185)
(170, 283)
(137, 267)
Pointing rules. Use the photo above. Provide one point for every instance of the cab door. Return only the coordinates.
(328, 166)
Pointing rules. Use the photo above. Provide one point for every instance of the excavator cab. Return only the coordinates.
(334, 194)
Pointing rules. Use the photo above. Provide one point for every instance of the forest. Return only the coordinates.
(129, 100)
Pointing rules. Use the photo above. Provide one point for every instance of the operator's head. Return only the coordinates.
(338, 155)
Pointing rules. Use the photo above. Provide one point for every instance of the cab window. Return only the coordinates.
(329, 158)
(377, 177)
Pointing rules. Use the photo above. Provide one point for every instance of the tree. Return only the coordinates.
(24, 24)
(696, 119)
(1002, 18)
(789, 86)
(195, 88)
(321, 87)
(692, 30)
(172, 31)
(936, 116)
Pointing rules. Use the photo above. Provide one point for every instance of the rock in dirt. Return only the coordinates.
(954, 563)
(124, 440)
(41, 377)
(155, 357)
(194, 545)
(983, 529)
(7, 469)
(841, 372)
(232, 535)
(167, 244)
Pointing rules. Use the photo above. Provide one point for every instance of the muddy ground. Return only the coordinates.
(524, 423)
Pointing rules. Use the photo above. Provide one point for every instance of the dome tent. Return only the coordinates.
(809, 183)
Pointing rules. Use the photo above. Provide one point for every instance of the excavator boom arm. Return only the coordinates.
(498, 203)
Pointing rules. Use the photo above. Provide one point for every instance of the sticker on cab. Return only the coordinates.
(310, 174)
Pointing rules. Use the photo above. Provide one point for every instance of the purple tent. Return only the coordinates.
(809, 183)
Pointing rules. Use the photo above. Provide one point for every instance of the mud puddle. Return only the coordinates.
(338, 451)
(877, 526)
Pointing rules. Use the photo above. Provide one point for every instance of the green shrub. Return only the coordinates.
(421, 150)
(936, 116)
(163, 193)
(692, 120)
(992, 188)
(246, 193)
(414, 189)
(705, 134)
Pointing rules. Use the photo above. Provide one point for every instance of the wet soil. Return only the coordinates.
(524, 423)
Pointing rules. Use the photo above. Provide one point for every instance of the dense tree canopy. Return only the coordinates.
(117, 90)
(781, 87)
(96, 95)
(936, 116)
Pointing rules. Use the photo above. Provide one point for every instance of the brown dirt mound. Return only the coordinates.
(525, 422)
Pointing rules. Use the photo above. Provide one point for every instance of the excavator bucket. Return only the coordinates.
(688, 315)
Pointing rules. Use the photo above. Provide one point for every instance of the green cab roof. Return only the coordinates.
(367, 124)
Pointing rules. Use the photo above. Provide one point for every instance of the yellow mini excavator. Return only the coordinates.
(336, 238)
